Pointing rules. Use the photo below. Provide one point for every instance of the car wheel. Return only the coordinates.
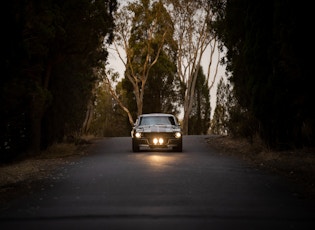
(179, 147)
(135, 146)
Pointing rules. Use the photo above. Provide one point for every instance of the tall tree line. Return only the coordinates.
(270, 68)
(51, 51)
(163, 43)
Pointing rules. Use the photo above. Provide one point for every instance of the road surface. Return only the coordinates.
(114, 188)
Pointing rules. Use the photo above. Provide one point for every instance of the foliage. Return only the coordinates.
(193, 34)
(108, 119)
(199, 120)
(270, 69)
(219, 121)
(160, 95)
(49, 61)
(151, 56)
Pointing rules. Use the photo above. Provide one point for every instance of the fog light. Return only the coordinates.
(155, 141)
(138, 135)
(158, 141)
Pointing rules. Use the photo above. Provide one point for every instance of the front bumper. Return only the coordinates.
(158, 140)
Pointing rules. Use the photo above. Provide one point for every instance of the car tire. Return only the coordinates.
(135, 146)
(178, 148)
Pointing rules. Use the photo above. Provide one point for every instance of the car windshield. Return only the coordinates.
(157, 120)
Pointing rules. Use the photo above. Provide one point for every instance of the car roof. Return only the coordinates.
(156, 114)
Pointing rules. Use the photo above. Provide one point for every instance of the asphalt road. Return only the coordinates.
(114, 188)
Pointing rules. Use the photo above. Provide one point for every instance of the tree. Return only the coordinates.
(50, 59)
(229, 117)
(142, 30)
(108, 118)
(87, 27)
(224, 105)
(269, 69)
(192, 20)
(160, 95)
(200, 116)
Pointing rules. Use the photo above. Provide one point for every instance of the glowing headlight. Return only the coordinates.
(138, 135)
(178, 134)
(159, 141)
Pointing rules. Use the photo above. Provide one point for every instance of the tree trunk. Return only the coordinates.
(88, 117)
(36, 115)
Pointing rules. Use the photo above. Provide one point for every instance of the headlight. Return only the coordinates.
(178, 134)
(137, 135)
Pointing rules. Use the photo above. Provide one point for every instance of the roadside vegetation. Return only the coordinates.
(294, 165)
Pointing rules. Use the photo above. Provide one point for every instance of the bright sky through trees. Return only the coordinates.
(116, 64)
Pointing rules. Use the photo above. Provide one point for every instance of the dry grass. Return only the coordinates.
(298, 165)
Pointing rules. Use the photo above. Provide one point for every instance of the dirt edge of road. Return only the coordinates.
(23, 176)
(296, 166)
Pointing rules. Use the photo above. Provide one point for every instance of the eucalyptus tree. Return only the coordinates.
(142, 29)
(161, 91)
(192, 20)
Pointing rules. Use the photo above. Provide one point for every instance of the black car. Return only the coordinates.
(157, 130)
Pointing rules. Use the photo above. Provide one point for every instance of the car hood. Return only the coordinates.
(158, 128)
